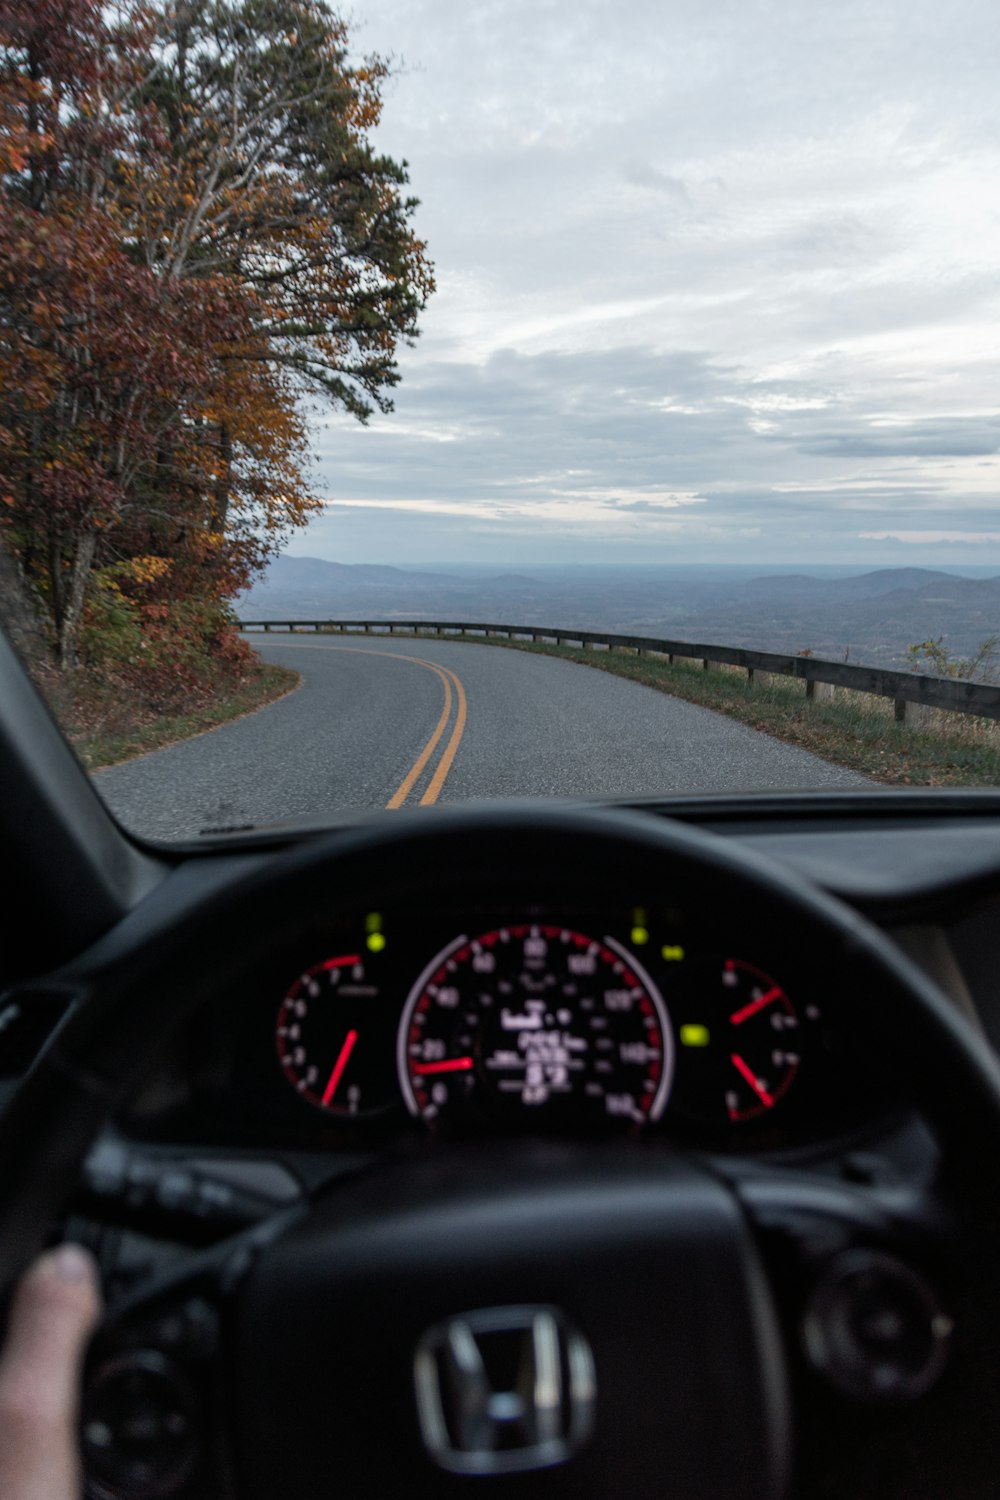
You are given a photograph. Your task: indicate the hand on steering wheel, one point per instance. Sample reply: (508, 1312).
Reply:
(55, 1309)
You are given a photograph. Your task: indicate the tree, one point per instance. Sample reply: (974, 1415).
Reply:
(195, 234)
(935, 656)
(276, 182)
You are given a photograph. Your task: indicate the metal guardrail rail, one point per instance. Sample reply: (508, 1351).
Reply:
(910, 691)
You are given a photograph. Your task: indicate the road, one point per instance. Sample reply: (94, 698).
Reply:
(399, 722)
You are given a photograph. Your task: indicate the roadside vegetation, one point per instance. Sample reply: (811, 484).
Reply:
(852, 729)
(199, 247)
(105, 726)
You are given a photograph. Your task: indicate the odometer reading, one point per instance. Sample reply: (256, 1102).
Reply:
(535, 1021)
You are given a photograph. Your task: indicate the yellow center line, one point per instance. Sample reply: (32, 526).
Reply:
(401, 793)
(433, 791)
(447, 677)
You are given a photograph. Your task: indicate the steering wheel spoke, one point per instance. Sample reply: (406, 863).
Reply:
(153, 1409)
(862, 1277)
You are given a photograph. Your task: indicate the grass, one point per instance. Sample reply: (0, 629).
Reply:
(106, 726)
(857, 730)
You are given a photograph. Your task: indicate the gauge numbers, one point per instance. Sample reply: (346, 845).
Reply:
(535, 1022)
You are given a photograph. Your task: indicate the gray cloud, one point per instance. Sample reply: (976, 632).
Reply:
(962, 436)
(644, 174)
(715, 276)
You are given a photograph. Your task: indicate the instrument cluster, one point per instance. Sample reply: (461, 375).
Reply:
(540, 1020)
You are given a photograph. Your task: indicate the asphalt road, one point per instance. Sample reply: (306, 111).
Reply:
(396, 721)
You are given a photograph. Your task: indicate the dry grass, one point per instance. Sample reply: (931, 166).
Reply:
(106, 725)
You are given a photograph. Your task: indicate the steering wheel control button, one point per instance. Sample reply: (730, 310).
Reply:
(504, 1389)
(873, 1327)
(139, 1433)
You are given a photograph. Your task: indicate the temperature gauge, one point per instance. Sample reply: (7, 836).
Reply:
(334, 1045)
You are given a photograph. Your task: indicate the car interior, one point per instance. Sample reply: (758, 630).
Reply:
(588, 1149)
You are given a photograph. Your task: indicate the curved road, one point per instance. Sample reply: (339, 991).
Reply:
(396, 721)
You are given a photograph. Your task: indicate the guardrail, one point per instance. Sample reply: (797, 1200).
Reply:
(910, 691)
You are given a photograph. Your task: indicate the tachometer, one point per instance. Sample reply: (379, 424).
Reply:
(334, 1038)
(532, 1022)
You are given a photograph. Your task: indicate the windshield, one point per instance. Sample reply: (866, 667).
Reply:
(435, 402)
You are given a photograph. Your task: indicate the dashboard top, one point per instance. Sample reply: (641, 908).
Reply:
(883, 850)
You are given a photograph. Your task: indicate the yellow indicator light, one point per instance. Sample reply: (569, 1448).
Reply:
(375, 942)
(640, 936)
(373, 921)
(694, 1036)
(673, 954)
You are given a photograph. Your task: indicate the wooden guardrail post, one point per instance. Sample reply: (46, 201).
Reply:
(913, 714)
(820, 691)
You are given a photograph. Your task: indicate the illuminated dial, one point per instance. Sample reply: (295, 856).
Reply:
(740, 1043)
(534, 1022)
(334, 1041)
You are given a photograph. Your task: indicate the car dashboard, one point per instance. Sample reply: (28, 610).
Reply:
(659, 1018)
(652, 1021)
(338, 1041)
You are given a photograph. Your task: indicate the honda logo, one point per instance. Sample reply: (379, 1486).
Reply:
(504, 1388)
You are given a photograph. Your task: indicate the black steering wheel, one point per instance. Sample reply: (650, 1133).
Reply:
(541, 1317)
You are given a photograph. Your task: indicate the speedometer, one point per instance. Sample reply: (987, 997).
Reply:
(531, 1022)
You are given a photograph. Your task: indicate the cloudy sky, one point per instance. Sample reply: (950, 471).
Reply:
(718, 281)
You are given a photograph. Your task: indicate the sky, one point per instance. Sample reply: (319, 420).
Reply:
(718, 282)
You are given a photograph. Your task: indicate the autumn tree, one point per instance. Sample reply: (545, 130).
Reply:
(195, 235)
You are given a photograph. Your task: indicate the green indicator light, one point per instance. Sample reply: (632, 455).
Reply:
(694, 1036)
(373, 921)
(640, 936)
(673, 955)
(375, 942)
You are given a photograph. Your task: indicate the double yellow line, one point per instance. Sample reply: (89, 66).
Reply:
(433, 789)
(449, 680)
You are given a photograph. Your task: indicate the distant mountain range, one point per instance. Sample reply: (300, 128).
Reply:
(866, 617)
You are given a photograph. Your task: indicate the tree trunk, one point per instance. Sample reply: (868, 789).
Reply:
(224, 481)
(20, 616)
(73, 599)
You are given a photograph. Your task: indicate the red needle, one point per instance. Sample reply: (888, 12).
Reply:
(339, 1066)
(450, 1065)
(754, 1006)
(750, 1077)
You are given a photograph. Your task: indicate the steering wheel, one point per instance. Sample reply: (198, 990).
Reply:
(546, 1317)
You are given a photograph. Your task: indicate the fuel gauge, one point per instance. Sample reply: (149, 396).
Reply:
(740, 1042)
